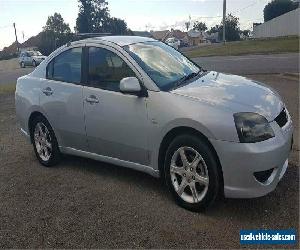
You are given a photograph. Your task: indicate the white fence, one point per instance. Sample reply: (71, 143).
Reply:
(284, 25)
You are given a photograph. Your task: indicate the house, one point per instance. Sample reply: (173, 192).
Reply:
(178, 34)
(165, 34)
(159, 35)
(196, 37)
(142, 33)
(285, 25)
(213, 37)
(30, 48)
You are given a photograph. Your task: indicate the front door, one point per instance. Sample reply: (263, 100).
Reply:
(116, 123)
(27, 58)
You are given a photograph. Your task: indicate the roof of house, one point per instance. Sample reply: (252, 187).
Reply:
(164, 34)
(196, 34)
(160, 35)
(178, 34)
(142, 33)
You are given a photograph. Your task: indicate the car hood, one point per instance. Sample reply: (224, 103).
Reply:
(237, 93)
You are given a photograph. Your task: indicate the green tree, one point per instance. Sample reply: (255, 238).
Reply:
(214, 29)
(246, 33)
(277, 8)
(116, 26)
(56, 24)
(200, 26)
(55, 33)
(232, 27)
(94, 17)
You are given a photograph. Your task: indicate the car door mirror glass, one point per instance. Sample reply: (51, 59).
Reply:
(130, 85)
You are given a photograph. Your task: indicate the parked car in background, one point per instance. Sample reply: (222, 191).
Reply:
(30, 58)
(138, 103)
(173, 42)
(183, 44)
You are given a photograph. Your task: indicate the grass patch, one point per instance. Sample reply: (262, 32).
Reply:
(9, 64)
(265, 46)
(7, 88)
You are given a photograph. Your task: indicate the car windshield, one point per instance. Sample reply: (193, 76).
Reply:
(34, 53)
(164, 65)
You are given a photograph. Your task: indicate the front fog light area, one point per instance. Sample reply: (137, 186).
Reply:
(263, 176)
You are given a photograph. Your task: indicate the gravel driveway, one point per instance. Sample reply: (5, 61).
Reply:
(87, 204)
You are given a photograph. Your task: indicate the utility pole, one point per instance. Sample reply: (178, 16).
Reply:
(224, 19)
(16, 37)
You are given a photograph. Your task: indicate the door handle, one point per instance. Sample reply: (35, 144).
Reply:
(47, 91)
(92, 99)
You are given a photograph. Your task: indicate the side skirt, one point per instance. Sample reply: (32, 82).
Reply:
(115, 161)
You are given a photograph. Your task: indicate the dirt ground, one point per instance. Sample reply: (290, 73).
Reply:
(87, 204)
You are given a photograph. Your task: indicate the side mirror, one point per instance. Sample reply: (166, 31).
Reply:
(131, 85)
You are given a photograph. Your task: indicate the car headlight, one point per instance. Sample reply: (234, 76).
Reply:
(252, 127)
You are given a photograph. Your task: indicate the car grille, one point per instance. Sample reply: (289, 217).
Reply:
(282, 118)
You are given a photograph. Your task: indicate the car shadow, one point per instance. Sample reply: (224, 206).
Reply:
(258, 210)
(118, 173)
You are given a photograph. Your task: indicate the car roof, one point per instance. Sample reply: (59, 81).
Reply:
(121, 40)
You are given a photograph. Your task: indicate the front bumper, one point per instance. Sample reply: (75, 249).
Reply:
(241, 160)
(38, 60)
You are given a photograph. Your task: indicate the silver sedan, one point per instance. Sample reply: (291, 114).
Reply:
(139, 103)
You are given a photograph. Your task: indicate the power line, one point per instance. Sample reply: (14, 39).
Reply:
(5, 26)
(246, 7)
(205, 17)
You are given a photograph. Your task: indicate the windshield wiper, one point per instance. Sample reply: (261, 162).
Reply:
(185, 78)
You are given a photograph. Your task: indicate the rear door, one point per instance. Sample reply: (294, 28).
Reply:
(61, 98)
(116, 123)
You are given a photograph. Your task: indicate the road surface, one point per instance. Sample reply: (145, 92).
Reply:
(251, 64)
(243, 65)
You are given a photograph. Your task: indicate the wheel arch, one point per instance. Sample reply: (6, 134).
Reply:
(31, 118)
(174, 132)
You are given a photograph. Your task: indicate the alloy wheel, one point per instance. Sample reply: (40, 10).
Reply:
(42, 140)
(189, 174)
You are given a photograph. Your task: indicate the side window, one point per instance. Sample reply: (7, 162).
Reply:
(106, 69)
(66, 67)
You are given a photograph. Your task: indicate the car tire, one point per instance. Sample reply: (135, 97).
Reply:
(34, 63)
(44, 142)
(22, 64)
(194, 185)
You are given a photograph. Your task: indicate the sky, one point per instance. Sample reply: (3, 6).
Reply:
(31, 15)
